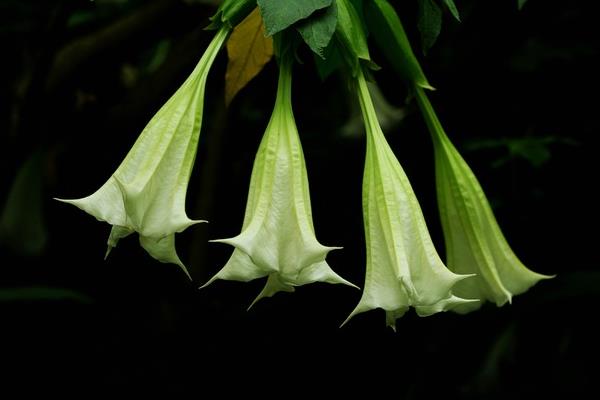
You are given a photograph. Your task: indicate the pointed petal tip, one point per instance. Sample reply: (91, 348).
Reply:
(543, 277)
(330, 248)
(68, 201)
(225, 241)
(211, 280)
(108, 250)
(426, 85)
(343, 281)
(187, 273)
(348, 318)
(357, 310)
(254, 302)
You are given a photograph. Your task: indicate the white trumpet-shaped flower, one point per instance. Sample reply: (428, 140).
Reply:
(403, 267)
(146, 194)
(474, 241)
(278, 237)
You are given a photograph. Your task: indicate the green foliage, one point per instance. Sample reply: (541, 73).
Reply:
(22, 225)
(387, 30)
(430, 23)
(319, 28)
(277, 17)
(535, 150)
(331, 61)
(231, 13)
(453, 10)
(430, 20)
(352, 36)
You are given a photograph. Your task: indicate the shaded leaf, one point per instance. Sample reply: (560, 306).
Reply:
(535, 150)
(331, 61)
(248, 50)
(231, 13)
(22, 224)
(521, 3)
(430, 23)
(352, 36)
(453, 10)
(387, 30)
(318, 29)
(278, 16)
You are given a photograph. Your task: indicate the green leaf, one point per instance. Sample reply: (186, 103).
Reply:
(430, 23)
(231, 13)
(351, 35)
(331, 61)
(453, 10)
(22, 225)
(278, 15)
(521, 3)
(387, 30)
(319, 28)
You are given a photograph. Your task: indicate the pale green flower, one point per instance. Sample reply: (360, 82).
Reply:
(474, 241)
(403, 267)
(278, 238)
(146, 194)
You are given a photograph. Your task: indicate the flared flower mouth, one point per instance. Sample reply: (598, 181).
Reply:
(403, 268)
(278, 237)
(147, 192)
(474, 242)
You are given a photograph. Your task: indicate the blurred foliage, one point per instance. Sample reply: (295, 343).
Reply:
(536, 150)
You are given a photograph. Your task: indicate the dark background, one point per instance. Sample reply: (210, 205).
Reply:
(79, 80)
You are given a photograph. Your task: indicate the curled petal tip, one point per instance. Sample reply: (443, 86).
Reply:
(108, 250)
(211, 280)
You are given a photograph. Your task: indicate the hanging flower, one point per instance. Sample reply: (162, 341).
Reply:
(474, 241)
(403, 267)
(278, 238)
(146, 194)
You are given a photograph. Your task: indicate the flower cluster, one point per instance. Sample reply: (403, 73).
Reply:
(147, 192)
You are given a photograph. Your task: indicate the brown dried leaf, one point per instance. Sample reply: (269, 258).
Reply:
(248, 50)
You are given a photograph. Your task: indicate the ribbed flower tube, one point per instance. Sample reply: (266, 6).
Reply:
(147, 192)
(474, 242)
(403, 267)
(278, 237)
